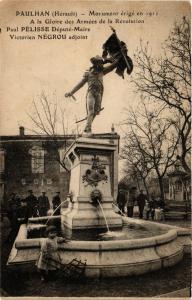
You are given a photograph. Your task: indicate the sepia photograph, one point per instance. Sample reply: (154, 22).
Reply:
(95, 149)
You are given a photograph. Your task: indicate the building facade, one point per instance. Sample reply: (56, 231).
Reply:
(35, 162)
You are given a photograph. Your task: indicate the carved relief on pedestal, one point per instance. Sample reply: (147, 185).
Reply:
(96, 173)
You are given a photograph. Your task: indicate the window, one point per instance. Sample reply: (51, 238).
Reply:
(61, 157)
(36, 181)
(2, 186)
(2, 160)
(178, 186)
(23, 181)
(49, 181)
(37, 160)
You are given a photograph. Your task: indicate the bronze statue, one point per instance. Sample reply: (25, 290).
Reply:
(94, 79)
(116, 50)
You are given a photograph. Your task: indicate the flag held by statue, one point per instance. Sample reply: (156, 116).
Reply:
(114, 48)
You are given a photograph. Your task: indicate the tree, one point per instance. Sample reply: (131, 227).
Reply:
(49, 120)
(167, 79)
(137, 165)
(150, 142)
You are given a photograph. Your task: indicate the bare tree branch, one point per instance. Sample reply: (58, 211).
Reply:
(45, 118)
(167, 79)
(149, 143)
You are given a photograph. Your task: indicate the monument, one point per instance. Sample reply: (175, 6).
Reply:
(90, 158)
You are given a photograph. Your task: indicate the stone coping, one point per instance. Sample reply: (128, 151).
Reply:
(45, 218)
(21, 243)
(84, 142)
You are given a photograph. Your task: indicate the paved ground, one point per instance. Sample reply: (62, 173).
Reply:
(147, 285)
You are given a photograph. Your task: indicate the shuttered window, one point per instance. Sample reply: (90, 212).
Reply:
(2, 160)
(37, 160)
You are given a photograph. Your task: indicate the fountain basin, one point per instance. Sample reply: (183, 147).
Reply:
(113, 257)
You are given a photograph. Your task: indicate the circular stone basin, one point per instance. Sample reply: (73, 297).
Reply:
(136, 249)
(123, 257)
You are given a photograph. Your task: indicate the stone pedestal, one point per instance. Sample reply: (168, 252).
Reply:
(90, 163)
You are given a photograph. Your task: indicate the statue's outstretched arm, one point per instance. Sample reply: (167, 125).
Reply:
(111, 67)
(77, 87)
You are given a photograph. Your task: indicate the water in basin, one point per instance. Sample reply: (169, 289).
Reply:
(127, 232)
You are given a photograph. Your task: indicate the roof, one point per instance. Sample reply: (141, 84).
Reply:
(12, 138)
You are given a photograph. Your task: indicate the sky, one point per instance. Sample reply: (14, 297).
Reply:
(55, 66)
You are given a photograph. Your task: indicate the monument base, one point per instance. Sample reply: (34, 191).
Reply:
(91, 185)
(84, 214)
